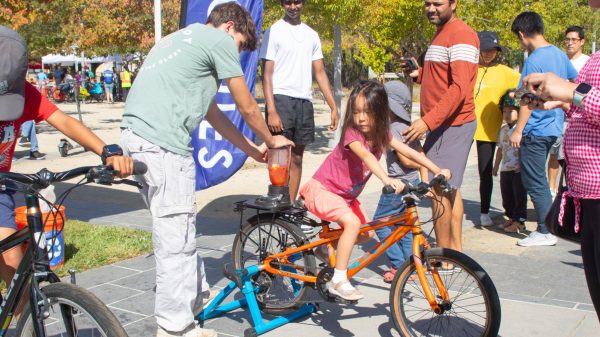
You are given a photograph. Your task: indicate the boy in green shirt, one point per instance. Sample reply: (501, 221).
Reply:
(174, 90)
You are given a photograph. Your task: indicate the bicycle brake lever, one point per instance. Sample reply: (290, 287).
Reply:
(129, 182)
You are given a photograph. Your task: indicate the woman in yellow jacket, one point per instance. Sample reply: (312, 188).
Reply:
(493, 81)
(125, 81)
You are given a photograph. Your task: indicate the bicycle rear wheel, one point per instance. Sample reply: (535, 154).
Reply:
(263, 236)
(75, 312)
(473, 307)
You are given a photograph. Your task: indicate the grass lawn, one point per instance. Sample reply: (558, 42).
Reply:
(90, 246)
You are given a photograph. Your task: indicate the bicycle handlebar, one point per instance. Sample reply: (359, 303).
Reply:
(101, 174)
(420, 188)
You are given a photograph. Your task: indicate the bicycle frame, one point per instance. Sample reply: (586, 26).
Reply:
(406, 222)
(33, 269)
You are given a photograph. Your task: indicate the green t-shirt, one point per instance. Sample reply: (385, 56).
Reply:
(176, 84)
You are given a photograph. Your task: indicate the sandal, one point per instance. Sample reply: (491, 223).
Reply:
(388, 275)
(515, 227)
(507, 223)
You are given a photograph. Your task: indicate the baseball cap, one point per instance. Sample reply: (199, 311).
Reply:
(509, 100)
(488, 40)
(13, 69)
(399, 99)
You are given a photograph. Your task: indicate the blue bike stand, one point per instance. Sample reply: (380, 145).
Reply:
(242, 280)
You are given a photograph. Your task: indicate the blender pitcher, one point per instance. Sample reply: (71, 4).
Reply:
(279, 163)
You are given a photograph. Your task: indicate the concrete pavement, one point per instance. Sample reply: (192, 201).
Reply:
(542, 289)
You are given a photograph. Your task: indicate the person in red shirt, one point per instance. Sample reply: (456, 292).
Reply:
(448, 79)
(20, 102)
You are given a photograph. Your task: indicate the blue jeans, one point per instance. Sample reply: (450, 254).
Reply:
(533, 155)
(391, 204)
(28, 130)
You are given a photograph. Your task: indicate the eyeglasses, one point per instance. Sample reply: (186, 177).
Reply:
(567, 40)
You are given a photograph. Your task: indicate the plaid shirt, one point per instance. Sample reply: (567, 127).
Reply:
(582, 137)
(582, 143)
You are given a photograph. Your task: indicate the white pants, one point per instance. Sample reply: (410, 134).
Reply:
(169, 193)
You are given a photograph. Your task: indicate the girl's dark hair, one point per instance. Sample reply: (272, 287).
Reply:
(242, 20)
(378, 109)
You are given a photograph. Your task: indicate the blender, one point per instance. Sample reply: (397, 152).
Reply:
(279, 165)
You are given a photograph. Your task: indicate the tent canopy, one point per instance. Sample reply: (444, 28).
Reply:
(69, 60)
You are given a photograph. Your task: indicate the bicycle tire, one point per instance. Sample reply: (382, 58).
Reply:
(405, 305)
(246, 252)
(72, 297)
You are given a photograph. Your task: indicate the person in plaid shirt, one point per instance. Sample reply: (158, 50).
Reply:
(581, 100)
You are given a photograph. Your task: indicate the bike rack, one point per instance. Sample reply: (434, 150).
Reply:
(242, 280)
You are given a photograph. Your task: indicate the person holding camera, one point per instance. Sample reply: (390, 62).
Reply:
(448, 110)
(581, 100)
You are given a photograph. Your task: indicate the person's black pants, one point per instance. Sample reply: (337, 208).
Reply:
(590, 247)
(485, 163)
(514, 196)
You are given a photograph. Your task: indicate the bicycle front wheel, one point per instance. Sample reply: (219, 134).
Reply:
(263, 236)
(472, 307)
(75, 312)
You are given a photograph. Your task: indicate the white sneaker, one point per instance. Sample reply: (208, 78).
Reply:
(193, 332)
(485, 220)
(538, 239)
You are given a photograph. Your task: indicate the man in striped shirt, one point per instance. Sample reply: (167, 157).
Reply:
(447, 110)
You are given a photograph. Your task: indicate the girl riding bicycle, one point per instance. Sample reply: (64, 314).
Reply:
(332, 192)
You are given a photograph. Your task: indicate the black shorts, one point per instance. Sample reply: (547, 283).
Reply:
(298, 118)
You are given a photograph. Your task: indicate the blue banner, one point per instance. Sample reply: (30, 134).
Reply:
(216, 158)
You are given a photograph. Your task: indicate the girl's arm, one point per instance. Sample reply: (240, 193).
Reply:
(373, 164)
(418, 157)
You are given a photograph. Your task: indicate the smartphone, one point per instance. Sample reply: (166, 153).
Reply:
(523, 93)
(410, 63)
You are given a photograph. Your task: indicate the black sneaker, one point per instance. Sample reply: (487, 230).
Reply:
(24, 141)
(36, 155)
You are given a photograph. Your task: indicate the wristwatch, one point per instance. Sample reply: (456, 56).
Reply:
(580, 92)
(109, 151)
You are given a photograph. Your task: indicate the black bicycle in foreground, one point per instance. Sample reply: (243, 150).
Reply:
(54, 308)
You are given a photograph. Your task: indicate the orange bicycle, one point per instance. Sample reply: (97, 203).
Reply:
(437, 292)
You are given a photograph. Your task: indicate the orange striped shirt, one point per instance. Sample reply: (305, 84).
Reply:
(448, 76)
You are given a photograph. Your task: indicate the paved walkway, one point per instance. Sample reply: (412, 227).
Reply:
(542, 290)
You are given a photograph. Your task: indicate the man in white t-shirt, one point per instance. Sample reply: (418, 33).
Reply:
(574, 41)
(291, 52)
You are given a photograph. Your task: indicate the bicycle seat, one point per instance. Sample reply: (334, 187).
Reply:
(299, 204)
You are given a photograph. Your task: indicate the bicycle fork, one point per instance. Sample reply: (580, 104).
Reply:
(420, 245)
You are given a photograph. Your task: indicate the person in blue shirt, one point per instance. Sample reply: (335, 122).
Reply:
(42, 80)
(109, 84)
(537, 130)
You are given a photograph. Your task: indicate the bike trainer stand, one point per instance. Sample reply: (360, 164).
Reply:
(242, 281)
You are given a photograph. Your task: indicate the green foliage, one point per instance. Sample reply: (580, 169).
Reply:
(373, 28)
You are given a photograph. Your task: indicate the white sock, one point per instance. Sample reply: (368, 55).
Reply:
(339, 275)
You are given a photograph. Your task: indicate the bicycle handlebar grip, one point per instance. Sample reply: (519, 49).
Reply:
(139, 168)
(388, 189)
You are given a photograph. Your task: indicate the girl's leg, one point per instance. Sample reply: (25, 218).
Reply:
(351, 224)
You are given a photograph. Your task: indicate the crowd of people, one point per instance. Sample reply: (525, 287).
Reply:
(467, 95)
(108, 84)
